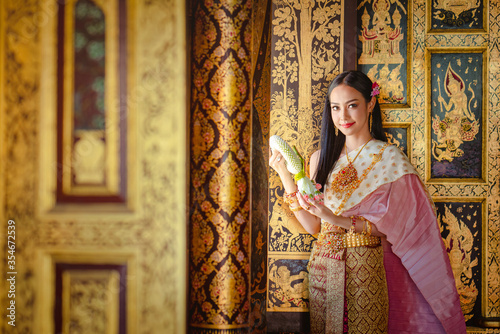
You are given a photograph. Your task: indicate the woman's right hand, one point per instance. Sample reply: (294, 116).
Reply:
(309, 221)
(277, 162)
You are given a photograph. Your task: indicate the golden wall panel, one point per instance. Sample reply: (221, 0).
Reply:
(300, 79)
(466, 17)
(152, 227)
(286, 120)
(461, 221)
(91, 157)
(306, 54)
(20, 147)
(90, 301)
(96, 155)
(64, 276)
(461, 141)
(461, 189)
(386, 60)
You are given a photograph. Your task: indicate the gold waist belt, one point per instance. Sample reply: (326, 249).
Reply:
(351, 239)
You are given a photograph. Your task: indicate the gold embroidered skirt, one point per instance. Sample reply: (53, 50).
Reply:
(348, 296)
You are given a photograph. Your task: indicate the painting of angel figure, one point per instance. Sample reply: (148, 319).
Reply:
(460, 224)
(456, 115)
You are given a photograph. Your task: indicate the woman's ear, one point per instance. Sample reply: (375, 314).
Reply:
(371, 104)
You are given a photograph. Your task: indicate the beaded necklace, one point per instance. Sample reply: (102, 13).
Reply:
(347, 178)
(376, 158)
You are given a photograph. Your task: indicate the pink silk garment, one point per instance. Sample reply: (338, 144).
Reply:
(422, 294)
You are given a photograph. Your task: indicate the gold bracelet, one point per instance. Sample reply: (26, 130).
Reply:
(367, 228)
(292, 194)
(290, 198)
(353, 224)
(295, 209)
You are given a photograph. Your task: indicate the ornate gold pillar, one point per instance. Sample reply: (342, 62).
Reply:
(219, 260)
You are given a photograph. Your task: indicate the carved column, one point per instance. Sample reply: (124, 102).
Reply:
(220, 167)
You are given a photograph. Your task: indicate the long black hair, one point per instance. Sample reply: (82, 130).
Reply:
(331, 145)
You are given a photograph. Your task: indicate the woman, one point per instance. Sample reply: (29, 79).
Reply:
(379, 263)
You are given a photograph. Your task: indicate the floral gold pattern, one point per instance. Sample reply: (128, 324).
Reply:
(220, 166)
(306, 56)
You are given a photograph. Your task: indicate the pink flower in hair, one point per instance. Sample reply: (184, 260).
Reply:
(375, 89)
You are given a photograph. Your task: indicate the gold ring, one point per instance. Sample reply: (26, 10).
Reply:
(307, 207)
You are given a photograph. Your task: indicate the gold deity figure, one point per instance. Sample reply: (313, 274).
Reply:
(381, 33)
(459, 123)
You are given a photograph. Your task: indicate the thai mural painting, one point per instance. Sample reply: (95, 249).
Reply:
(461, 228)
(383, 45)
(399, 134)
(456, 115)
(446, 123)
(457, 14)
(305, 56)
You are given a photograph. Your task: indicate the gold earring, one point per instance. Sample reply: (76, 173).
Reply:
(336, 131)
(371, 122)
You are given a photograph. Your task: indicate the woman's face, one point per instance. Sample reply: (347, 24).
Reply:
(350, 111)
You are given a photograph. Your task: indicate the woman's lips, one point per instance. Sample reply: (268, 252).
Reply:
(346, 125)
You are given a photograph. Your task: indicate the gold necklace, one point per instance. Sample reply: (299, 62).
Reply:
(347, 178)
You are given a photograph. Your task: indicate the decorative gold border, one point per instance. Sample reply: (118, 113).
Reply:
(45, 278)
(112, 128)
(286, 256)
(484, 242)
(112, 278)
(407, 126)
(428, 121)
(429, 30)
(47, 177)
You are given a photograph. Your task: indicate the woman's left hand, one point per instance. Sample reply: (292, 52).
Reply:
(315, 208)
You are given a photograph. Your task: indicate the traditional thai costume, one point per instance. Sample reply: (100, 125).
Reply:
(401, 283)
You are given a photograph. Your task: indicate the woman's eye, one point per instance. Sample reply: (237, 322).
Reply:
(335, 108)
(353, 105)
